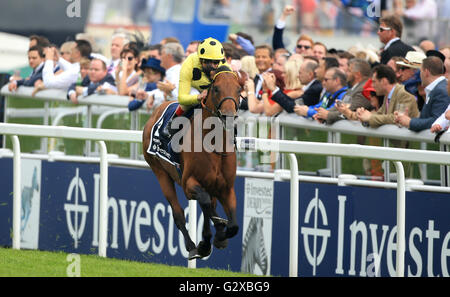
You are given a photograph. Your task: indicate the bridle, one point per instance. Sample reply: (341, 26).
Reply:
(217, 112)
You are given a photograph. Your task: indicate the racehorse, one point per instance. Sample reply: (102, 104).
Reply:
(207, 176)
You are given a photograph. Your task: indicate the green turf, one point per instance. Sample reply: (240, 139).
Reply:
(32, 263)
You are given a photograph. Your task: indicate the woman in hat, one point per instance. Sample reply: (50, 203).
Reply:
(153, 73)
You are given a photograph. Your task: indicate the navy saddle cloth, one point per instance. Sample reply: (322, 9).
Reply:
(160, 146)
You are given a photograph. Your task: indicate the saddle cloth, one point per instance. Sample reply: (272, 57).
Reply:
(160, 146)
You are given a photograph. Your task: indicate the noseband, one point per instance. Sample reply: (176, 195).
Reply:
(216, 112)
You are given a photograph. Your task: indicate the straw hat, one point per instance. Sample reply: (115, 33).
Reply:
(413, 59)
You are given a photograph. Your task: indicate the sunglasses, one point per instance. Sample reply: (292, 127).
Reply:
(382, 29)
(129, 58)
(300, 46)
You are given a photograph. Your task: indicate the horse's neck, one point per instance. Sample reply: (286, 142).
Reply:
(221, 133)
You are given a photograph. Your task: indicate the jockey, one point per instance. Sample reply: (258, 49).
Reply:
(196, 73)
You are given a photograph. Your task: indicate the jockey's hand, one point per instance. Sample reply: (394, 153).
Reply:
(202, 95)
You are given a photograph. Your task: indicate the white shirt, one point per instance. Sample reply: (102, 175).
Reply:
(431, 87)
(113, 65)
(173, 76)
(390, 42)
(62, 80)
(442, 121)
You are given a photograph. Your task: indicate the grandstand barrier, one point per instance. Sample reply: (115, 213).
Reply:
(252, 144)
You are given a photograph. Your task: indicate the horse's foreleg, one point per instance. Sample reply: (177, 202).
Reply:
(195, 191)
(220, 239)
(229, 205)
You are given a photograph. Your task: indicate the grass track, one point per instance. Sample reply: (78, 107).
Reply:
(32, 263)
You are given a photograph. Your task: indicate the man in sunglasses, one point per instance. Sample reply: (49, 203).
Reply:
(196, 76)
(389, 33)
(304, 46)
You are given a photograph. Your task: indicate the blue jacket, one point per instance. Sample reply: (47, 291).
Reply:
(437, 104)
(327, 101)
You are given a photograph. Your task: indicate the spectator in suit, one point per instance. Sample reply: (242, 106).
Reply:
(277, 38)
(311, 88)
(335, 84)
(36, 62)
(437, 99)
(389, 33)
(384, 83)
(97, 81)
(358, 75)
(443, 121)
(264, 62)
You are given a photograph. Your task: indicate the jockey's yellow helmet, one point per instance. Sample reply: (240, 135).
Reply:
(211, 49)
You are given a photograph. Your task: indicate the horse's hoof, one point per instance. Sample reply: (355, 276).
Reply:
(232, 231)
(204, 249)
(194, 254)
(220, 244)
(219, 221)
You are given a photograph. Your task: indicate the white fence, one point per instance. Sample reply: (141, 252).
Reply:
(291, 147)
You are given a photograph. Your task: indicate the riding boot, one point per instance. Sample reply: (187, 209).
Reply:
(168, 132)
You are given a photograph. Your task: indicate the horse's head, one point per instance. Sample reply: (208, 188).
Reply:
(223, 95)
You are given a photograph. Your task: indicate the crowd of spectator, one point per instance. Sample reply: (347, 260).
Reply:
(402, 84)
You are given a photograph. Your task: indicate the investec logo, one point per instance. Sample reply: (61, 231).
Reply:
(131, 215)
(386, 246)
(76, 190)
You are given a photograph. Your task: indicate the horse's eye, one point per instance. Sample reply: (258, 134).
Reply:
(216, 90)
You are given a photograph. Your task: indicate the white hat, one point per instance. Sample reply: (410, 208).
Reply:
(413, 59)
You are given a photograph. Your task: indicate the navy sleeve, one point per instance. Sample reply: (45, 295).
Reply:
(284, 100)
(277, 39)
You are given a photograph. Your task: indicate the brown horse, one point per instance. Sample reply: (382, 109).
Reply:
(207, 175)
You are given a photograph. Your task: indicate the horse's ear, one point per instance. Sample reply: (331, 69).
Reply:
(242, 77)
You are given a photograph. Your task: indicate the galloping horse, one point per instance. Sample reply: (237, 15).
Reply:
(207, 176)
